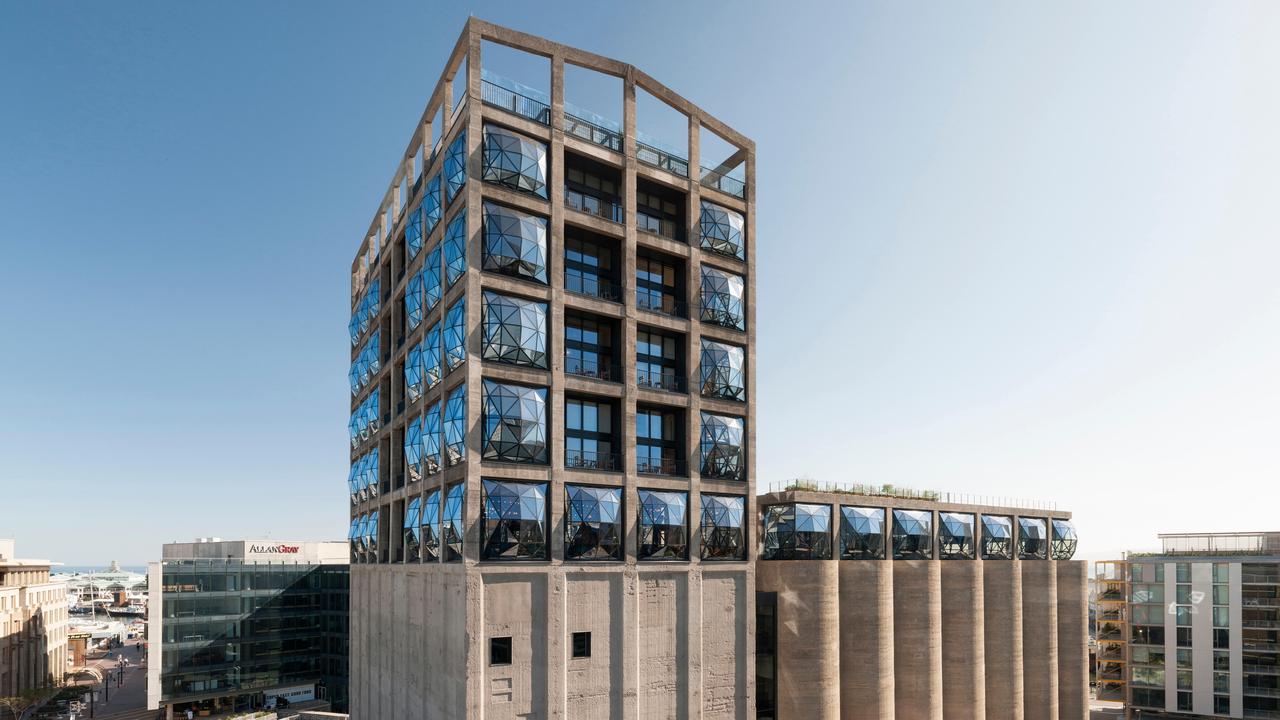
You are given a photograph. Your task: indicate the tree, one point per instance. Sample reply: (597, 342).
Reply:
(19, 704)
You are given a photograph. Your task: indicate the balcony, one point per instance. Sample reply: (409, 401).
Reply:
(593, 287)
(725, 184)
(584, 367)
(668, 381)
(662, 159)
(592, 128)
(662, 304)
(592, 205)
(657, 226)
(670, 467)
(1262, 691)
(514, 98)
(1262, 669)
(583, 460)
(1265, 602)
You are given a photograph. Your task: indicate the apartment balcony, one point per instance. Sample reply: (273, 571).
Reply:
(662, 304)
(725, 184)
(592, 205)
(1262, 691)
(655, 225)
(592, 128)
(1262, 669)
(1264, 602)
(514, 98)
(583, 460)
(1261, 714)
(584, 367)
(670, 467)
(662, 159)
(593, 287)
(666, 381)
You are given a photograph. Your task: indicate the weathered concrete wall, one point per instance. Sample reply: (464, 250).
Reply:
(917, 646)
(964, 689)
(866, 640)
(1073, 640)
(808, 656)
(1002, 614)
(1040, 639)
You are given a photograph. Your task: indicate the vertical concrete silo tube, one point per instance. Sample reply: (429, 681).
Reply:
(917, 650)
(808, 647)
(1073, 640)
(866, 640)
(1040, 639)
(963, 680)
(1002, 611)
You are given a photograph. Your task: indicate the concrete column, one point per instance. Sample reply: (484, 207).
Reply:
(866, 640)
(917, 648)
(1040, 639)
(1002, 615)
(964, 692)
(1073, 640)
(808, 635)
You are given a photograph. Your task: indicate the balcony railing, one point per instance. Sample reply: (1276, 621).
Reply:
(592, 132)
(661, 304)
(583, 460)
(662, 159)
(1262, 669)
(657, 226)
(724, 183)
(668, 381)
(1260, 602)
(593, 205)
(1261, 714)
(664, 466)
(1261, 691)
(593, 286)
(1260, 578)
(583, 367)
(514, 102)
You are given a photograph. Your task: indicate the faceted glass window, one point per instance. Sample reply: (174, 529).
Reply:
(723, 535)
(413, 530)
(455, 248)
(413, 232)
(723, 451)
(593, 523)
(353, 481)
(514, 330)
(515, 161)
(956, 539)
(455, 166)
(413, 448)
(413, 301)
(353, 539)
(912, 535)
(513, 520)
(451, 530)
(997, 537)
(722, 230)
(722, 371)
(430, 273)
(722, 298)
(371, 536)
(431, 526)
(1033, 540)
(431, 440)
(431, 206)
(455, 334)
(1064, 540)
(431, 369)
(413, 373)
(861, 533)
(515, 423)
(455, 426)
(797, 531)
(515, 242)
(664, 525)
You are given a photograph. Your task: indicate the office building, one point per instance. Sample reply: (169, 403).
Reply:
(33, 624)
(883, 606)
(552, 402)
(1194, 630)
(233, 625)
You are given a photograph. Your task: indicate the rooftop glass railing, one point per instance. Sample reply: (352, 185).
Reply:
(724, 183)
(515, 98)
(667, 159)
(591, 127)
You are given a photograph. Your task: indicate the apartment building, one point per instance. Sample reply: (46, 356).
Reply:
(33, 624)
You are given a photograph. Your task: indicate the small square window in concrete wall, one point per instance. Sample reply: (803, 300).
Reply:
(500, 651)
(582, 645)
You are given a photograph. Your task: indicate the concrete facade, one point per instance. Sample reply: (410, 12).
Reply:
(669, 638)
(33, 624)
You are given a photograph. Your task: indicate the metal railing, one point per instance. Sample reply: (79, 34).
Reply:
(593, 205)
(668, 381)
(592, 132)
(593, 286)
(655, 225)
(725, 184)
(1260, 602)
(1263, 669)
(1260, 578)
(662, 304)
(514, 102)
(583, 460)
(664, 466)
(1261, 691)
(662, 159)
(583, 367)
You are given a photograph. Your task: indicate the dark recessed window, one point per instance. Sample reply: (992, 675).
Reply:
(500, 651)
(582, 644)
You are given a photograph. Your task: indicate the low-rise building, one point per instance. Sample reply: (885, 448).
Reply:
(33, 624)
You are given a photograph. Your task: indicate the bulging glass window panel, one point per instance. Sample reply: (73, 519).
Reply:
(455, 248)
(723, 448)
(413, 448)
(353, 481)
(431, 526)
(455, 334)
(515, 161)
(353, 376)
(413, 530)
(722, 298)
(723, 374)
(431, 206)
(997, 537)
(431, 361)
(723, 230)
(353, 427)
(431, 287)
(912, 535)
(722, 531)
(514, 330)
(1033, 540)
(413, 373)
(956, 540)
(514, 520)
(515, 423)
(451, 529)
(455, 426)
(455, 166)
(353, 539)
(797, 531)
(371, 536)
(1064, 540)
(515, 242)
(413, 232)
(371, 473)
(431, 440)
(664, 525)
(593, 523)
(413, 301)
(861, 533)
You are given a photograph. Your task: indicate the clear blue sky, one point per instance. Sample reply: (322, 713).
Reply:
(1011, 248)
